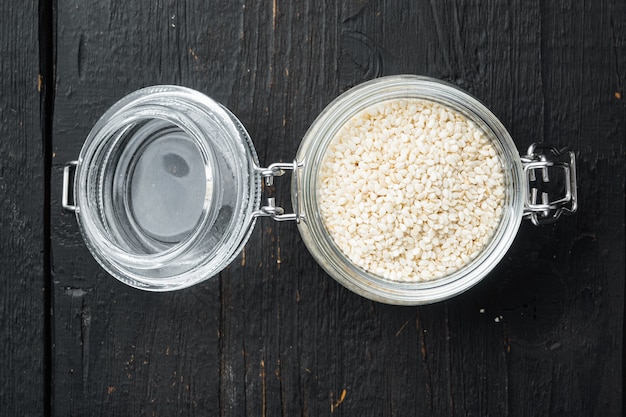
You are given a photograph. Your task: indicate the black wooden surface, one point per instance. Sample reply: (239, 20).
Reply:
(542, 335)
(22, 352)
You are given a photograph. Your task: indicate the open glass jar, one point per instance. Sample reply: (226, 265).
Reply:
(167, 189)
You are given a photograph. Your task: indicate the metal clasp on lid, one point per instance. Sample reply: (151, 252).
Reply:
(551, 192)
(270, 209)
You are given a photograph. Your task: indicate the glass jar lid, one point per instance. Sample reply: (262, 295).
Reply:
(165, 188)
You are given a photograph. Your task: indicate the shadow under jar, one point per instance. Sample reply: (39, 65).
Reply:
(167, 188)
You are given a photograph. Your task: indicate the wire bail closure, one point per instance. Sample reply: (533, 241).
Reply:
(549, 197)
(270, 209)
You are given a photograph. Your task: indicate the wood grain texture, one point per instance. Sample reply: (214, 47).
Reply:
(273, 335)
(22, 219)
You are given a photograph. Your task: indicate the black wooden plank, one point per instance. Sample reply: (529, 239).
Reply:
(273, 335)
(22, 219)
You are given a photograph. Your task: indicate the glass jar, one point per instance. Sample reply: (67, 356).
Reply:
(167, 188)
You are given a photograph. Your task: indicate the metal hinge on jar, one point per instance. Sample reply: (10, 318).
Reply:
(551, 178)
(270, 209)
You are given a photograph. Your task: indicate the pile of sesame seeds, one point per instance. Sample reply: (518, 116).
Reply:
(411, 190)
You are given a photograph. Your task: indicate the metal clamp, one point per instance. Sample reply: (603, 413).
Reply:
(270, 209)
(549, 197)
(65, 198)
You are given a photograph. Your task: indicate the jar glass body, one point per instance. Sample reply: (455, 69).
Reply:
(317, 238)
